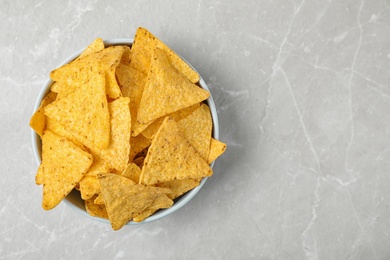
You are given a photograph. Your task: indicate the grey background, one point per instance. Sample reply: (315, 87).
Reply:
(303, 97)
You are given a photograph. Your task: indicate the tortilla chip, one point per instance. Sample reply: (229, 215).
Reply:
(166, 90)
(96, 46)
(172, 157)
(124, 199)
(95, 210)
(38, 119)
(217, 148)
(162, 202)
(142, 50)
(132, 84)
(99, 200)
(54, 125)
(177, 115)
(84, 113)
(89, 186)
(117, 153)
(179, 187)
(197, 128)
(74, 74)
(132, 172)
(39, 175)
(63, 166)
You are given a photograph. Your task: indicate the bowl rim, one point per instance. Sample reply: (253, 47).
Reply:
(70, 200)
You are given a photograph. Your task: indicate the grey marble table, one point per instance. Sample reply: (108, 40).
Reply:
(303, 96)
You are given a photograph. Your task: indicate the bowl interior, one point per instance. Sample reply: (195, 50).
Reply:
(74, 199)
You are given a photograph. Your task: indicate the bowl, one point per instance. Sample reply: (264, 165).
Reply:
(74, 199)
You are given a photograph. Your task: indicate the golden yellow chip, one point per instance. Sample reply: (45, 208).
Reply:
(74, 74)
(124, 199)
(96, 46)
(137, 144)
(84, 113)
(63, 166)
(38, 119)
(117, 153)
(179, 187)
(177, 115)
(162, 202)
(89, 186)
(54, 125)
(197, 129)
(216, 149)
(172, 157)
(95, 210)
(166, 90)
(99, 200)
(132, 84)
(132, 172)
(142, 52)
(39, 175)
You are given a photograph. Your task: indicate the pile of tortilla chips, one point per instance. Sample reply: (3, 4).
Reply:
(127, 127)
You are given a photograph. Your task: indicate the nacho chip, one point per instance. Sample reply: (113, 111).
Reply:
(84, 113)
(172, 157)
(124, 199)
(179, 187)
(132, 84)
(137, 144)
(96, 46)
(216, 149)
(142, 51)
(132, 172)
(177, 115)
(89, 186)
(54, 125)
(197, 129)
(95, 210)
(63, 166)
(76, 73)
(99, 200)
(117, 153)
(38, 119)
(162, 202)
(166, 90)
(39, 175)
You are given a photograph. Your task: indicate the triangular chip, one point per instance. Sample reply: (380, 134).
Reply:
(38, 119)
(89, 186)
(166, 90)
(117, 153)
(142, 51)
(197, 129)
(74, 74)
(99, 200)
(132, 84)
(84, 113)
(132, 172)
(179, 187)
(216, 149)
(162, 202)
(95, 210)
(124, 199)
(177, 115)
(63, 166)
(54, 125)
(95, 46)
(172, 157)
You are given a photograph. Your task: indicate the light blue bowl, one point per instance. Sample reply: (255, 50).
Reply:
(74, 199)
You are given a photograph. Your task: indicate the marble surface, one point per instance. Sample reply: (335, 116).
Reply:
(303, 96)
